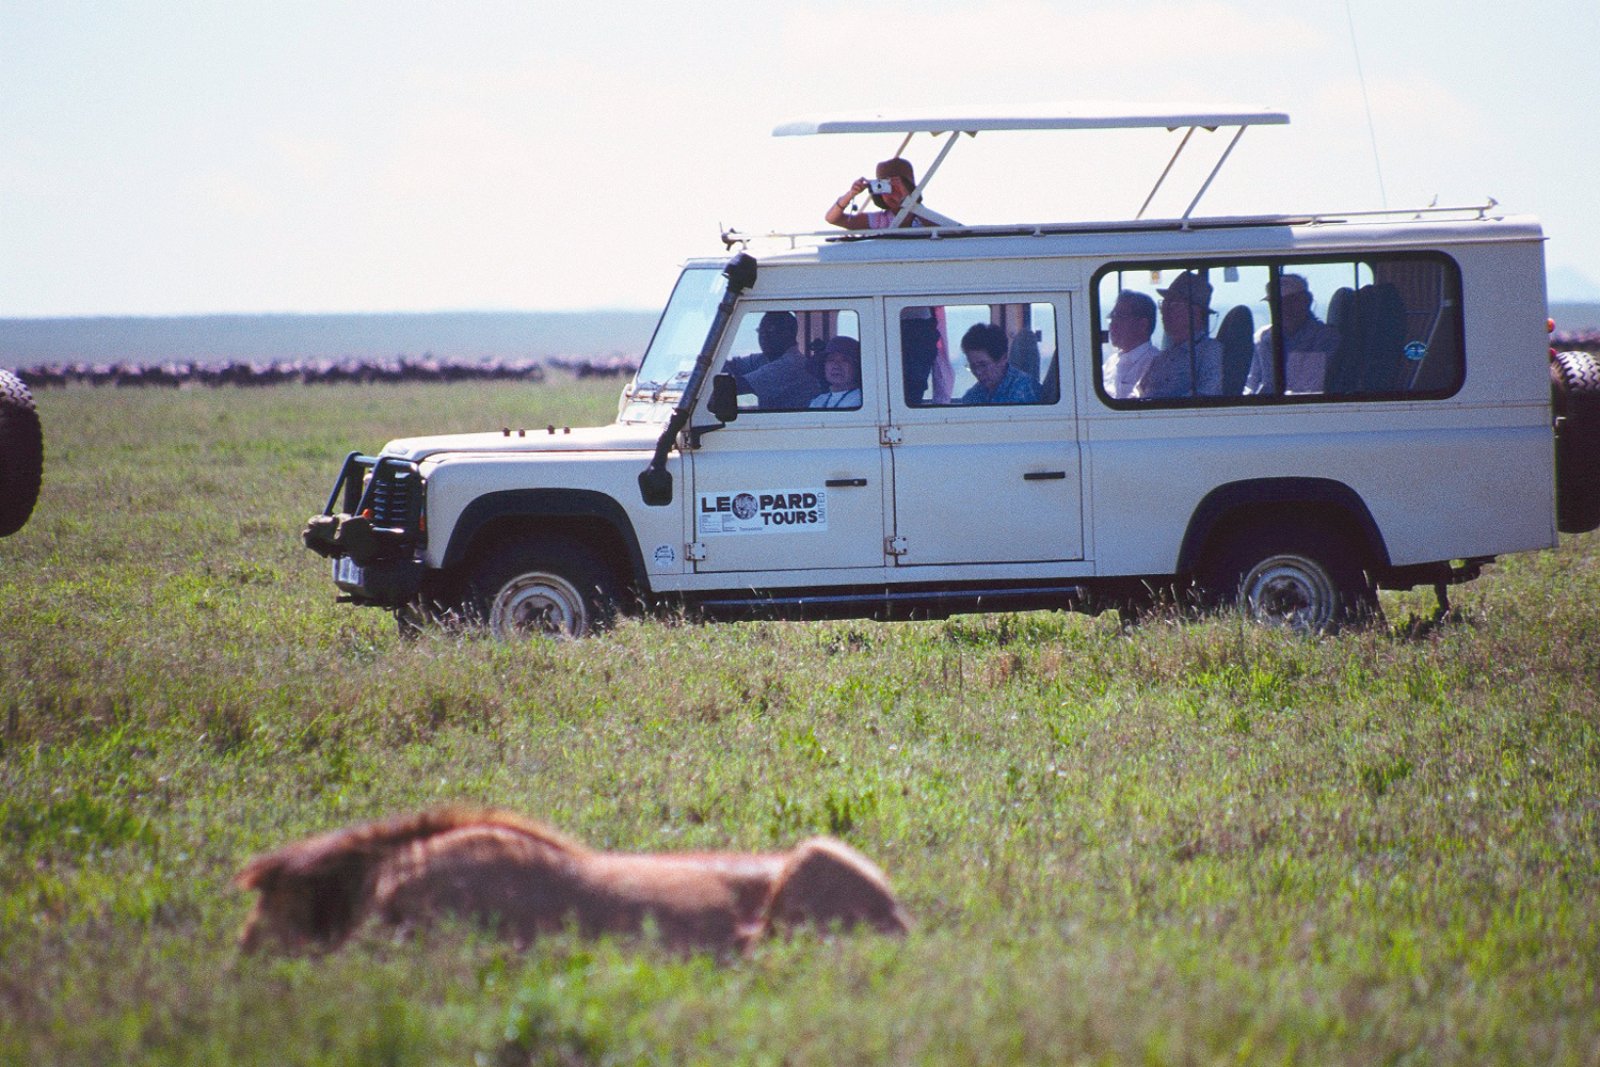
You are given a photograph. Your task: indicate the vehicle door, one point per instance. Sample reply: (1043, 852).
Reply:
(799, 480)
(980, 475)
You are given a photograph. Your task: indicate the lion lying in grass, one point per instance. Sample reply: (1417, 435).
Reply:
(524, 880)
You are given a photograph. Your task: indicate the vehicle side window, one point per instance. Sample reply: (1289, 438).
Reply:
(1364, 328)
(797, 360)
(979, 354)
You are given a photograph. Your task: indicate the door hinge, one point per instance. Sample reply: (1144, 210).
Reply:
(694, 550)
(895, 546)
(890, 435)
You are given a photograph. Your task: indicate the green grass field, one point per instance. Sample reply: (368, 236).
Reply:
(1196, 842)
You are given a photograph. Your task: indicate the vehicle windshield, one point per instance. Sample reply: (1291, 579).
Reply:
(681, 333)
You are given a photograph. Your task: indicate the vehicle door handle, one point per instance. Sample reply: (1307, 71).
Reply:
(845, 483)
(1044, 476)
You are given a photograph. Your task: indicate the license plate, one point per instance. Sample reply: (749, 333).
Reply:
(347, 572)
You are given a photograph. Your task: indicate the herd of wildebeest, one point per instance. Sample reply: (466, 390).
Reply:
(320, 371)
(1584, 340)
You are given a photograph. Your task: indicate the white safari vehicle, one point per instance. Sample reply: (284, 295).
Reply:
(1288, 411)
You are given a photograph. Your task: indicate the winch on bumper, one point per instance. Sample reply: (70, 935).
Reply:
(377, 537)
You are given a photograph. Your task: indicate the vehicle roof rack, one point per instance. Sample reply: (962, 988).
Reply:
(1456, 213)
(951, 123)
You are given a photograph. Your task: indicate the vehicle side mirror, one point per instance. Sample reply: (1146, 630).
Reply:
(724, 402)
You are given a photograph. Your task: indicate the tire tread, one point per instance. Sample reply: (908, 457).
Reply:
(21, 454)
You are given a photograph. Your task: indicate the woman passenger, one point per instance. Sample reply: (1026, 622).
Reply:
(841, 369)
(902, 179)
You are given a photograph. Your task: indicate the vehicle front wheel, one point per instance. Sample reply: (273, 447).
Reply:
(1307, 581)
(549, 585)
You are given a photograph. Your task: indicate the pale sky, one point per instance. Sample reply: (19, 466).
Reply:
(182, 157)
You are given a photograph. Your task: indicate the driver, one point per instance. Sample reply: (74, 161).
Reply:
(779, 375)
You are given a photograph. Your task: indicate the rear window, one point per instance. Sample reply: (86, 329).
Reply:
(1279, 331)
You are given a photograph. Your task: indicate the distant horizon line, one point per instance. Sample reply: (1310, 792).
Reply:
(93, 316)
(607, 310)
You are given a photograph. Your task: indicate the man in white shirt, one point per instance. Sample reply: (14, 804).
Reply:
(1132, 321)
(1308, 344)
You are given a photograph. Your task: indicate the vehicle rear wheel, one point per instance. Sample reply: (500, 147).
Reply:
(1575, 399)
(548, 585)
(21, 454)
(1305, 580)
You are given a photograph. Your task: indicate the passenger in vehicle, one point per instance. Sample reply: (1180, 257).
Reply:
(1309, 344)
(998, 381)
(779, 375)
(926, 361)
(1131, 323)
(902, 179)
(1190, 361)
(841, 366)
(776, 332)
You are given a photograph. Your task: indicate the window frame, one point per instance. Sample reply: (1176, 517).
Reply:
(1451, 304)
(754, 311)
(896, 305)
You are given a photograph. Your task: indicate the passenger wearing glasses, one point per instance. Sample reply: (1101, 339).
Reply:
(1190, 361)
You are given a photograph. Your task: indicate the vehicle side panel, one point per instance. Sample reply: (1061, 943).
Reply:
(1435, 490)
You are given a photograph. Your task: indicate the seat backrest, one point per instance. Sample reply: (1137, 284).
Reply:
(1344, 373)
(1050, 387)
(1381, 315)
(1236, 334)
(1023, 353)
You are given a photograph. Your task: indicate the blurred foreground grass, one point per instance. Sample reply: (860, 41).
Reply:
(1193, 842)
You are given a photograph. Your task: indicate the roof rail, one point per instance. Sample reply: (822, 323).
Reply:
(796, 239)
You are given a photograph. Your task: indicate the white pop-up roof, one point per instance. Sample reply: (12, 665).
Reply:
(952, 122)
(1081, 116)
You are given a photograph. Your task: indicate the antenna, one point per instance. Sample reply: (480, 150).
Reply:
(1366, 102)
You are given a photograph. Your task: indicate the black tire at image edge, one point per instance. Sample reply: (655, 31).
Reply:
(1575, 399)
(21, 454)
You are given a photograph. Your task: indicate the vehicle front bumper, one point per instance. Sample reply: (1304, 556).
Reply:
(384, 584)
(375, 541)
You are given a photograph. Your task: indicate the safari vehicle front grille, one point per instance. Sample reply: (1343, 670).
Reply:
(393, 497)
(384, 490)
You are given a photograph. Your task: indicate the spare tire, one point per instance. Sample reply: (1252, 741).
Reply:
(21, 454)
(1575, 398)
